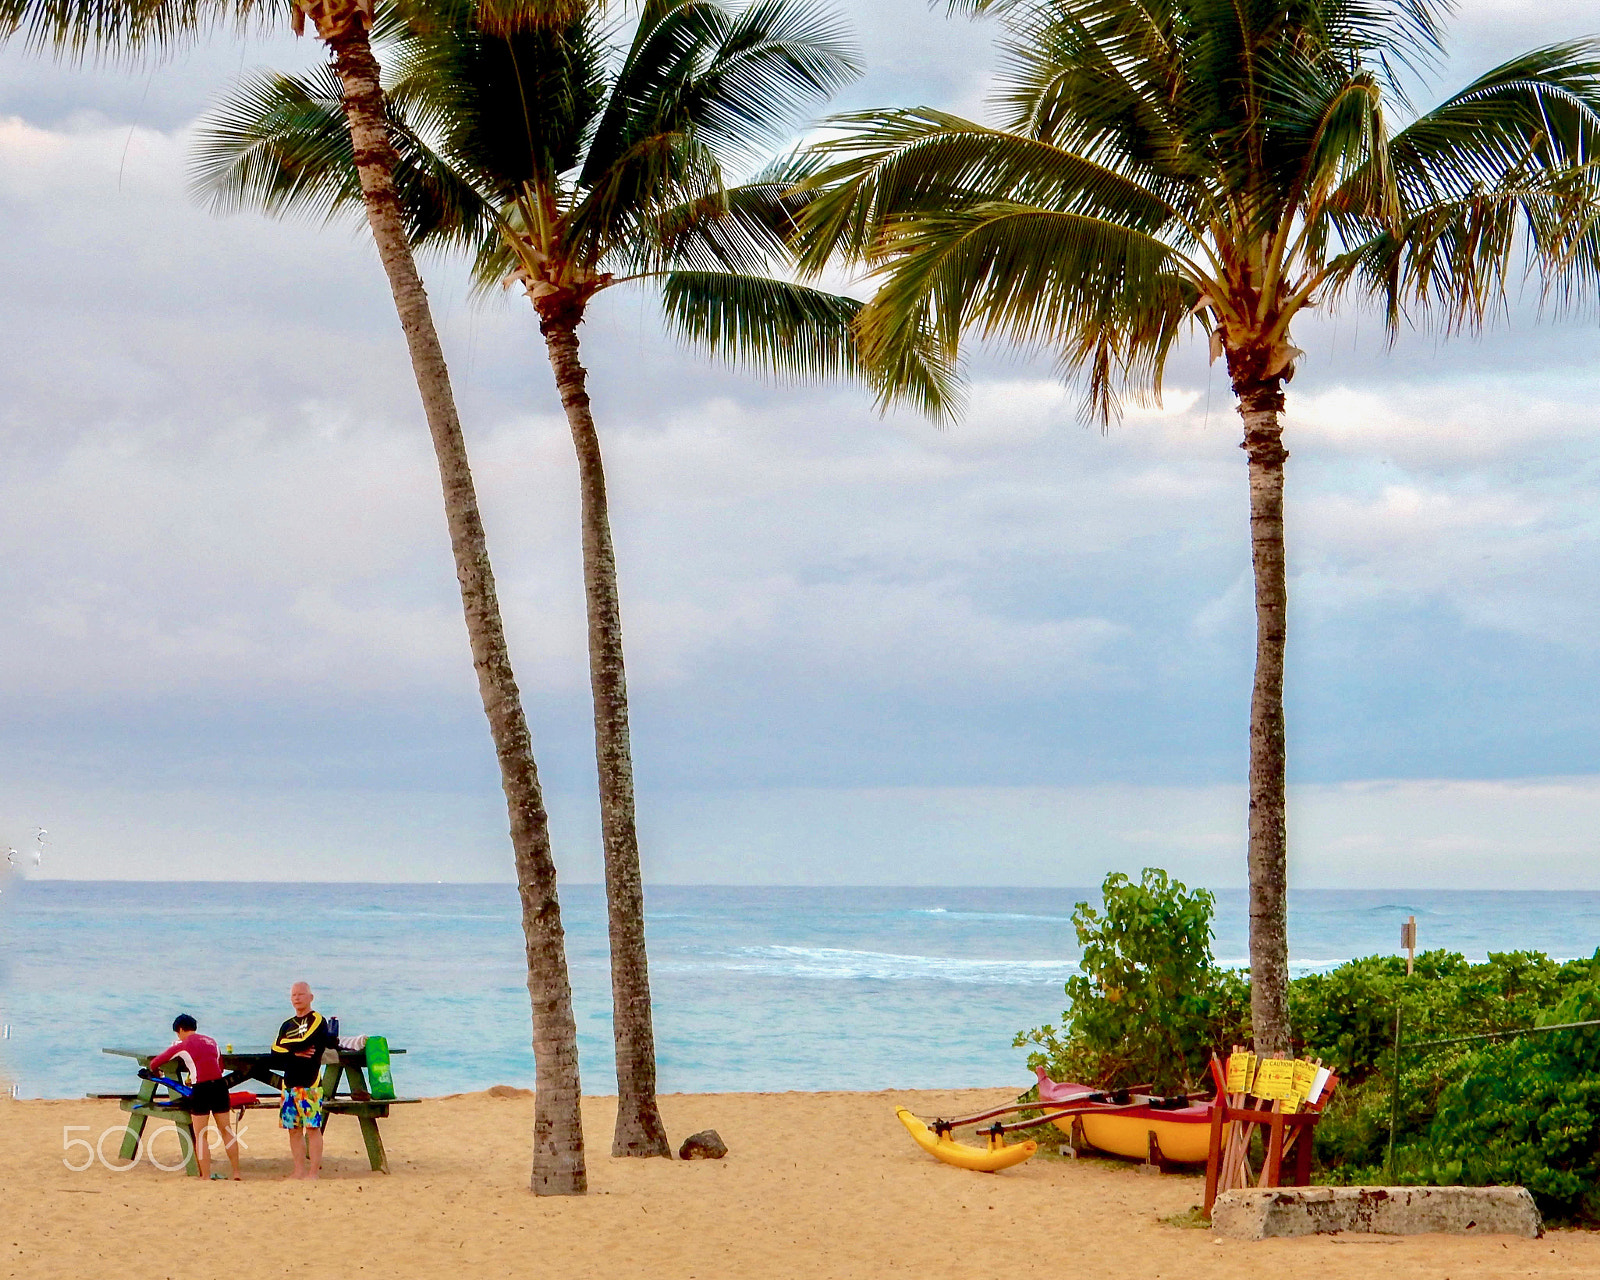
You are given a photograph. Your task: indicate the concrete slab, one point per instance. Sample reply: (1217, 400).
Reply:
(1398, 1211)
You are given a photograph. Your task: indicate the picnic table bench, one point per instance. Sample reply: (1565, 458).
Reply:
(337, 1065)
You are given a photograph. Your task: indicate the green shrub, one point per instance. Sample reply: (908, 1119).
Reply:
(1346, 1016)
(1526, 1111)
(1150, 1003)
(1352, 1138)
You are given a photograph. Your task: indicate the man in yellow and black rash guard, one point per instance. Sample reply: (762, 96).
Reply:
(297, 1053)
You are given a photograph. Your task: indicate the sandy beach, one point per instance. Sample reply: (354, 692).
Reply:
(815, 1185)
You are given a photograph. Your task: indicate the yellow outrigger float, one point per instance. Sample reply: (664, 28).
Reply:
(991, 1159)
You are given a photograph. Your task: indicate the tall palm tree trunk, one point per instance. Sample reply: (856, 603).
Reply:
(639, 1130)
(558, 1164)
(1260, 405)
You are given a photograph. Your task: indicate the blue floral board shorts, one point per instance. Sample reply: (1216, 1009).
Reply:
(302, 1108)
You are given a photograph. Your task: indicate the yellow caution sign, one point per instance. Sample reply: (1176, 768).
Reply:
(1274, 1079)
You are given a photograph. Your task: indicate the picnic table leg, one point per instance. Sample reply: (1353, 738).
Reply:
(329, 1084)
(185, 1126)
(375, 1153)
(135, 1130)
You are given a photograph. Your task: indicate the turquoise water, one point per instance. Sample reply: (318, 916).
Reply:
(754, 988)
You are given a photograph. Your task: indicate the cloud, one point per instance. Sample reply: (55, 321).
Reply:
(1464, 426)
(1529, 19)
(1430, 833)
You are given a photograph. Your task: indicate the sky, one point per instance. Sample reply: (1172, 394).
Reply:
(862, 649)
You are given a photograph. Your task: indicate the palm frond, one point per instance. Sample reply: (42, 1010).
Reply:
(1384, 35)
(671, 36)
(276, 143)
(1539, 111)
(281, 144)
(900, 168)
(1456, 262)
(798, 332)
(618, 215)
(736, 77)
(1497, 185)
(773, 60)
(1091, 77)
(899, 165)
(511, 110)
(122, 28)
(745, 229)
(510, 18)
(1055, 281)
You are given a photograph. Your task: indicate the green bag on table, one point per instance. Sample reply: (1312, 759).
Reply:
(379, 1078)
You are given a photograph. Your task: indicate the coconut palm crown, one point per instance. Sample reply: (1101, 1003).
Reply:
(570, 161)
(571, 158)
(1216, 167)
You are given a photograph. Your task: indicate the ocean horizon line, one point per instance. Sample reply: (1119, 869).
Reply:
(726, 884)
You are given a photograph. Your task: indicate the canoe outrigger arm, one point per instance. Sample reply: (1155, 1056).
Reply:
(1092, 1100)
(1055, 1112)
(1112, 1097)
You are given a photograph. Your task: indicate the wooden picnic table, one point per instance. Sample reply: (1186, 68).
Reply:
(348, 1064)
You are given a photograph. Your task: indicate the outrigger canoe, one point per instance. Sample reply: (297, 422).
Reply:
(1127, 1122)
(1122, 1124)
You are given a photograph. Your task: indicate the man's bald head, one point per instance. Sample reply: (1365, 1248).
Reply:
(300, 997)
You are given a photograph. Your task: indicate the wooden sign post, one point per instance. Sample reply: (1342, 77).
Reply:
(1408, 940)
(1285, 1099)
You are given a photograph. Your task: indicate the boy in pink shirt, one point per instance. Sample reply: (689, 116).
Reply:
(208, 1097)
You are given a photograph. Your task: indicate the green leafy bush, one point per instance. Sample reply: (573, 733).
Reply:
(1526, 1111)
(1346, 1016)
(1150, 1003)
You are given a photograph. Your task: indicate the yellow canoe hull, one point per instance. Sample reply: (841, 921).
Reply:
(981, 1159)
(1185, 1143)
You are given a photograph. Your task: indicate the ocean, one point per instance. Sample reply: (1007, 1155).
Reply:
(754, 988)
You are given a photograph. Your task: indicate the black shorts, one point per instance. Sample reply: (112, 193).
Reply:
(209, 1098)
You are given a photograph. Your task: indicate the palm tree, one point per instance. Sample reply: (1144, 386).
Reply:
(343, 26)
(570, 162)
(1216, 166)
